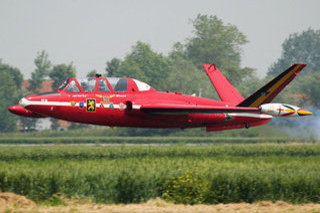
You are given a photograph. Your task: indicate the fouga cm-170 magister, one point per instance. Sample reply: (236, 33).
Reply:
(128, 102)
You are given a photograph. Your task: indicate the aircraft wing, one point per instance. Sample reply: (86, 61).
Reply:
(224, 88)
(174, 109)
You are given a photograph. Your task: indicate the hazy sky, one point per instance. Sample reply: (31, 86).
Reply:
(91, 32)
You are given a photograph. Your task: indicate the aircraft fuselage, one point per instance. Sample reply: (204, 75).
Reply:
(123, 110)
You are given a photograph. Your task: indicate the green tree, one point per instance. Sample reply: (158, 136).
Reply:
(112, 68)
(213, 41)
(62, 72)
(301, 47)
(43, 66)
(186, 78)
(92, 73)
(15, 73)
(146, 65)
(308, 91)
(10, 92)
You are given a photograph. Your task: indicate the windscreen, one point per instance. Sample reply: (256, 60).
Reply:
(64, 84)
(141, 85)
(88, 84)
(72, 87)
(118, 84)
(103, 86)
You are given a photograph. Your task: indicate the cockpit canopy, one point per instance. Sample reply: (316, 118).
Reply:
(102, 84)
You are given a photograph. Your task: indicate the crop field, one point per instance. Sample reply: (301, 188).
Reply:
(186, 174)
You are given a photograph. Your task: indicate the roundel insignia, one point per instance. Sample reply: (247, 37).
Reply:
(111, 106)
(122, 106)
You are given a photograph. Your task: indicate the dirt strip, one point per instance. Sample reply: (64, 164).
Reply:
(10, 202)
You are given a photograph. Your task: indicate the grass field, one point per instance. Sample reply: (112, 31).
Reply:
(189, 174)
(95, 135)
(138, 140)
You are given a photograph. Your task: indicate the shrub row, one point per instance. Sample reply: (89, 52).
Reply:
(180, 180)
(37, 153)
(183, 174)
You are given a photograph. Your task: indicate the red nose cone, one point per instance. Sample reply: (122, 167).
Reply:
(19, 110)
(16, 109)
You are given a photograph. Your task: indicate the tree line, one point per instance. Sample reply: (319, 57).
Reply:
(213, 41)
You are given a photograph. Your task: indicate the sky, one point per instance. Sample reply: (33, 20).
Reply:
(89, 33)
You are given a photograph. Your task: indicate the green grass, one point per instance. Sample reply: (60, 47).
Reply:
(180, 173)
(268, 131)
(137, 140)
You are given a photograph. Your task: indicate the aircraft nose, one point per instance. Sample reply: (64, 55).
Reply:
(303, 112)
(13, 109)
(18, 110)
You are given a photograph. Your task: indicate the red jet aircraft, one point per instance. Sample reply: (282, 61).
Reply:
(128, 102)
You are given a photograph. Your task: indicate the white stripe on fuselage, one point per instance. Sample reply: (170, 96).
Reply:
(25, 102)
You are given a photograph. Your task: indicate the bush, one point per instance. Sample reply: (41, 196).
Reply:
(188, 188)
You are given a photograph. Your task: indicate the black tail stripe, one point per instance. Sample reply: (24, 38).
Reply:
(264, 90)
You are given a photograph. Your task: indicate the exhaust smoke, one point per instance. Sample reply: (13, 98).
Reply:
(307, 128)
